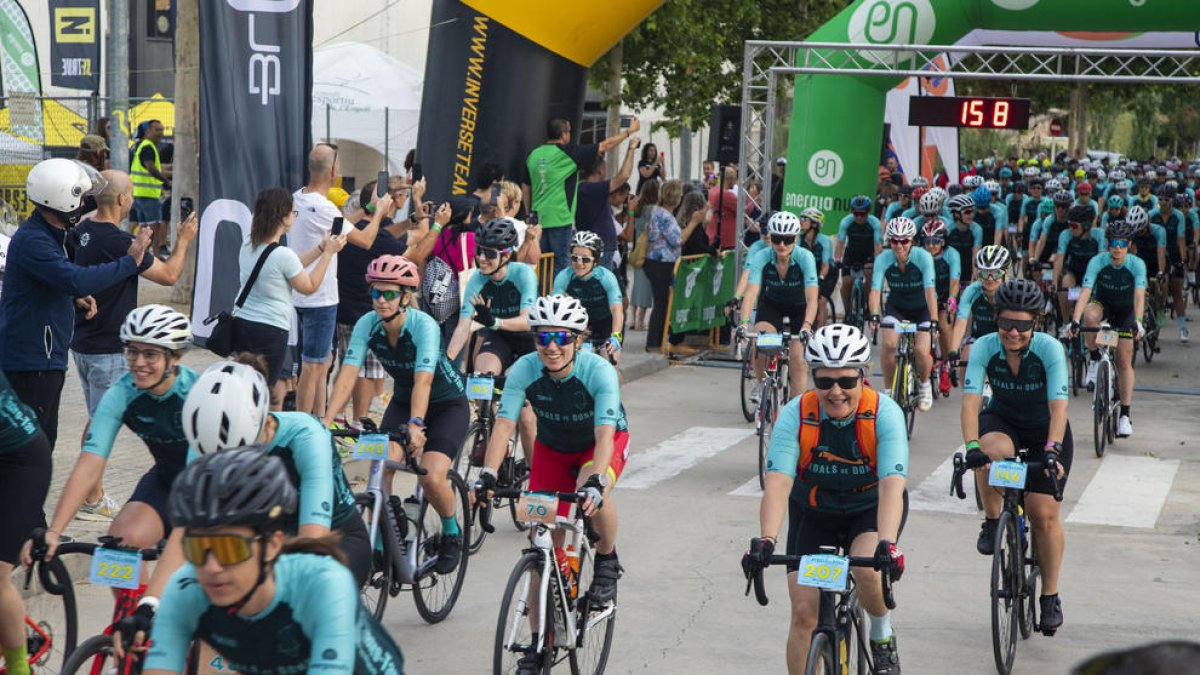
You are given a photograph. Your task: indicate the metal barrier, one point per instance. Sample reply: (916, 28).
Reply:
(714, 333)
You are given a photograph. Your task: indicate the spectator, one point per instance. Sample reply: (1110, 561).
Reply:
(317, 309)
(698, 243)
(651, 166)
(150, 177)
(508, 205)
(261, 325)
(777, 184)
(553, 171)
(722, 227)
(709, 171)
(641, 298)
(594, 213)
(666, 239)
(93, 151)
(42, 287)
(98, 350)
(441, 254)
(618, 204)
(487, 183)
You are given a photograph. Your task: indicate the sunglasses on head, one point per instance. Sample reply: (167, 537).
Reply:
(1118, 243)
(582, 259)
(388, 295)
(491, 253)
(228, 549)
(897, 241)
(992, 275)
(1020, 325)
(782, 239)
(561, 338)
(845, 383)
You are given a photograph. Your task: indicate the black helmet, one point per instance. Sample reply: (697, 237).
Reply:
(1121, 229)
(1018, 187)
(1022, 295)
(1167, 193)
(497, 233)
(238, 486)
(1080, 214)
(906, 190)
(1062, 198)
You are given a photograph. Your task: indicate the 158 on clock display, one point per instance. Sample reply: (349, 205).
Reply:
(969, 111)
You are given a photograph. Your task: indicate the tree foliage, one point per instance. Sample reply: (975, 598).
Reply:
(687, 55)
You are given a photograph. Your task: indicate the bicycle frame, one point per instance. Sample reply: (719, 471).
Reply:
(404, 564)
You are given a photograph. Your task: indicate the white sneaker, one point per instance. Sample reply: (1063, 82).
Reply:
(925, 397)
(101, 511)
(1124, 427)
(1089, 380)
(1183, 334)
(756, 392)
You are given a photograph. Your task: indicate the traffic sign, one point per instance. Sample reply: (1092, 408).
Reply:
(1056, 127)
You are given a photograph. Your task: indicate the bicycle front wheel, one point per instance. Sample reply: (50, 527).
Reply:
(519, 617)
(1114, 403)
(95, 655)
(433, 592)
(376, 591)
(1006, 574)
(821, 659)
(854, 652)
(1100, 411)
(469, 464)
(747, 384)
(596, 622)
(51, 620)
(766, 426)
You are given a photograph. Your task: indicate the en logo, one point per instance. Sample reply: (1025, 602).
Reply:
(892, 22)
(825, 168)
(1015, 5)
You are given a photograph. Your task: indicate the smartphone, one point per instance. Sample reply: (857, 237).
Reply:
(186, 207)
(381, 184)
(338, 223)
(625, 122)
(417, 172)
(533, 218)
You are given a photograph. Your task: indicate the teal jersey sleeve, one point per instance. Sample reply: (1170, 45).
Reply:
(474, 286)
(843, 226)
(324, 601)
(1160, 235)
(1064, 238)
(750, 253)
(522, 374)
(969, 296)
(1054, 358)
(1100, 238)
(179, 610)
(893, 210)
(891, 440)
(427, 336)
(308, 445)
(1137, 267)
(954, 260)
(977, 234)
(608, 281)
(783, 454)
(981, 352)
(356, 352)
(921, 258)
(1096, 264)
(600, 379)
(826, 249)
(107, 420)
(1035, 231)
(808, 265)
(561, 280)
(757, 263)
(999, 214)
(878, 227)
(526, 281)
(882, 263)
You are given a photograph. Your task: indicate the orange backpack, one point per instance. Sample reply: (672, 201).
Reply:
(810, 430)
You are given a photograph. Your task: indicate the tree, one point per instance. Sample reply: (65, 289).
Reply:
(687, 55)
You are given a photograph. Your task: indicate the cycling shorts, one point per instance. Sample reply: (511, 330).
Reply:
(1176, 269)
(769, 312)
(504, 345)
(891, 315)
(445, 424)
(24, 482)
(1121, 319)
(153, 491)
(809, 530)
(826, 285)
(356, 544)
(1033, 438)
(554, 471)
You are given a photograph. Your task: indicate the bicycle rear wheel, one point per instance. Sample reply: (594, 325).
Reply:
(1006, 574)
(51, 619)
(434, 593)
(514, 473)
(1076, 370)
(766, 425)
(1100, 411)
(469, 464)
(514, 632)
(95, 655)
(1029, 600)
(596, 623)
(821, 659)
(747, 384)
(910, 397)
(378, 588)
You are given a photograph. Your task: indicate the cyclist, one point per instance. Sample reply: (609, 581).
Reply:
(1150, 244)
(1027, 371)
(265, 603)
(762, 242)
(148, 399)
(428, 396)
(1175, 224)
(904, 198)
(976, 308)
(24, 481)
(783, 283)
(1117, 210)
(597, 288)
(1114, 290)
(1083, 197)
(1052, 228)
(965, 235)
(948, 267)
(1144, 198)
(582, 437)
(1045, 218)
(850, 494)
(859, 241)
(1028, 210)
(912, 281)
(1014, 202)
(821, 246)
(989, 220)
(1074, 250)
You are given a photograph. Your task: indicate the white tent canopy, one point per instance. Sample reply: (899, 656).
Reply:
(354, 87)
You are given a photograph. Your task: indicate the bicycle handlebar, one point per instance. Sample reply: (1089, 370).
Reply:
(485, 507)
(400, 437)
(38, 553)
(962, 466)
(760, 591)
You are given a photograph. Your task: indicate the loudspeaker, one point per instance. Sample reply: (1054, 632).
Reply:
(725, 134)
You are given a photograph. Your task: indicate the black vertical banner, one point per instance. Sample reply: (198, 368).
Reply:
(255, 117)
(75, 44)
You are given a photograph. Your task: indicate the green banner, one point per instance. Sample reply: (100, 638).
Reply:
(703, 284)
(19, 68)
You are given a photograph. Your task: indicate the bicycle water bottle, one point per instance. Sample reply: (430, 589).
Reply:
(1021, 520)
(412, 510)
(565, 569)
(572, 551)
(400, 528)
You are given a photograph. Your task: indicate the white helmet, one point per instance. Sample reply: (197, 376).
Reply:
(1031, 172)
(919, 181)
(157, 325)
(930, 204)
(1053, 185)
(837, 345)
(589, 240)
(784, 223)
(1137, 218)
(972, 182)
(993, 187)
(226, 408)
(1118, 174)
(992, 257)
(3, 251)
(558, 311)
(61, 184)
(901, 227)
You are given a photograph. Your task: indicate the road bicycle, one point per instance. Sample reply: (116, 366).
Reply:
(484, 391)
(1076, 358)
(547, 609)
(406, 534)
(747, 380)
(774, 393)
(1015, 570)
(839, 642)
(51, 621)
(1052, 318)
(1150, 334)
(1106, 403)
(904, 377)
(858, 313)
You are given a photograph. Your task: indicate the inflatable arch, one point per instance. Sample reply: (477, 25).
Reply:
(837, 120)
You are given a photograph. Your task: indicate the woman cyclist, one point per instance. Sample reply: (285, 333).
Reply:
(948, 267)
(266, 604)
(597, 289)
(821, 246)
(428, 396)
(976, 309)
(149, 401)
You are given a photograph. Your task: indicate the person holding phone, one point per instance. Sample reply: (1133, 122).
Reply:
(651, 166)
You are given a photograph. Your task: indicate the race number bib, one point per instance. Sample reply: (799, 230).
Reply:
(1073, 293)
(480, 388)
(537, 508)
(906, 327)
(118, 569)
(1048, 275)
(371, 446)
(1008, 475)
(827, 572)
(770, 340)
(1107, 338)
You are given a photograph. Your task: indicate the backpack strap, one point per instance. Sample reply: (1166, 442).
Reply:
(864, 424)
(810, 430)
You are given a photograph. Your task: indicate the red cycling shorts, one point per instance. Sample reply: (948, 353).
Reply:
(555, 471)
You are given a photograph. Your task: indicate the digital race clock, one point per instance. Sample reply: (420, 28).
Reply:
(968, 111)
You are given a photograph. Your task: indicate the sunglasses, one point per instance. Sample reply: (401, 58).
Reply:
(583, 260)
(228, 549)
(1118, 243)
(900, 242)
(993, 275)
(1019, 325)
(859, 214)
(845, 383)
(132, 354)
(388, 295)
(781, 239)
(491, 253)
(562, 338)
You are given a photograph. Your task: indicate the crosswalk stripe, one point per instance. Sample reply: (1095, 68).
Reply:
(1126, 492)
(748, 489)
(933, 493)
(677, 454)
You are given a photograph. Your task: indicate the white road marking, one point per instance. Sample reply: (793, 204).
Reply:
(678, 454)
(1126, 492)
(933, 494)
(748, 489)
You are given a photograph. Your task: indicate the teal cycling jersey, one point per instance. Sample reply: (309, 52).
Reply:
(911, 214)
(821, 248)
(515, 292)
(157, 420)
(965, 240)
(1022, 398)
(18, 422)
(1146, 245)
(907, 284)
(1149, 204)
(418, 349)
(315, 623)
(1030, 206)
(568, 410)
(860, 239)
(894, 209)
(1175, 225)
(1078, 251)
(1052, 229)
(947, 266)
(788, 290)
(977, 307)
(986, 220)
(754, 248)
(999, 215)
(844, 481)
(597, 291)
(1113, 285)
(314, 467)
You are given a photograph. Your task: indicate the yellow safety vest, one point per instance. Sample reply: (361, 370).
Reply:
(145, 185)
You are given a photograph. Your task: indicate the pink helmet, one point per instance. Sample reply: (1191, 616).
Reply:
(934, 228)
(393, 269)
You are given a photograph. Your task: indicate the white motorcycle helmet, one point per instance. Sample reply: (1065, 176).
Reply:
(61, 185)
